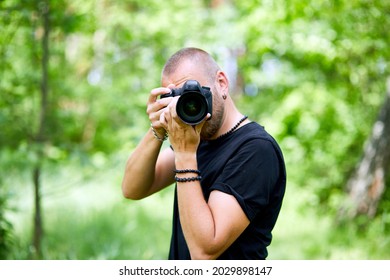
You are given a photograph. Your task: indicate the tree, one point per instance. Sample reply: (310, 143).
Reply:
(316, 73)
(312, 72)
(39, 138)
(5, 226)
(31, 118)
(368, 183)
(71, 79)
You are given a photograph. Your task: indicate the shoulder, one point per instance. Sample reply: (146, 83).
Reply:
(254, 130)
(255, 133)
(254, 137)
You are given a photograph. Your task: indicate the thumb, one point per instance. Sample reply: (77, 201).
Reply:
(199, 126)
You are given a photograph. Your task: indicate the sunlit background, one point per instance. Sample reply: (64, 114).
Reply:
(74, 81)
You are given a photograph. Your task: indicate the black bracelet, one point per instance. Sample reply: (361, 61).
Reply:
(187, 171)
(190, 179)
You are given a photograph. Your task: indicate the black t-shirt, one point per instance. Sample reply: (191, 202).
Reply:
(249, 165)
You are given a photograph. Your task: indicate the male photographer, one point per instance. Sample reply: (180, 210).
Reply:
(229, 172)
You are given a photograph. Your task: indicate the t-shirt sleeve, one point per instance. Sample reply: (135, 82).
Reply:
(250, 176)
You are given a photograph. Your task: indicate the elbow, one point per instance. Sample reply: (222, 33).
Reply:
(131, 196)
(205, 254)
(128, 194)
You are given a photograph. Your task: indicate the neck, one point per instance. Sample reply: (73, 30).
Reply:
(230, 119)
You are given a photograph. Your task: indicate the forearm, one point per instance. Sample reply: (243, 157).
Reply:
(196, 216)
(140, 168)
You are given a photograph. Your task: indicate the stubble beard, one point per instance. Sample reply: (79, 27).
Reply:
(211, 126)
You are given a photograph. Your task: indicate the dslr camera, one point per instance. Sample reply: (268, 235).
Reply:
(194, 103)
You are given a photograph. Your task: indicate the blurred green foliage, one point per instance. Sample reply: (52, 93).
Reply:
(312, 72)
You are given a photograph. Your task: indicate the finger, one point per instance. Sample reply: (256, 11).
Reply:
(155, 119)
(163, 120)
(171, 86)
(158, 104)
(199, 126)
(154, 93)
(154, 116)
(172, 106)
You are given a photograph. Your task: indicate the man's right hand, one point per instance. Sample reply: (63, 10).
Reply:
(156, 106)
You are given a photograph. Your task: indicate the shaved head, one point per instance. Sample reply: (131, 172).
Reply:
(196, 64)
(197, 57)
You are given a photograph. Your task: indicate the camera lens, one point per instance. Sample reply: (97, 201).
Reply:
(192, 107)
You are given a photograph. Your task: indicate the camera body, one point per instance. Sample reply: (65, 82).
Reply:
(194, 103)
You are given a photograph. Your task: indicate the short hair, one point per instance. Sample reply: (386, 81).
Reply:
(198, 57)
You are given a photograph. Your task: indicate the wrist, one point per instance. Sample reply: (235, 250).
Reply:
(158, 135)
(187, 175)
(186, 160)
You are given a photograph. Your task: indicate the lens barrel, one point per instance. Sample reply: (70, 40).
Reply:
(192, 107)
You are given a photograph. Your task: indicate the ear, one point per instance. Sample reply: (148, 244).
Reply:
(222, 82)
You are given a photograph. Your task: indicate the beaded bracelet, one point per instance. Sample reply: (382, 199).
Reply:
(187, 171)
(190, 179)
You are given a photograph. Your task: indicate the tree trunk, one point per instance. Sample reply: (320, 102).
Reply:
(367, 184)
(38, 225)
(39, 138)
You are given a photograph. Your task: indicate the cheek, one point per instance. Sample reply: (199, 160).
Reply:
(218, 103)
(218, 111)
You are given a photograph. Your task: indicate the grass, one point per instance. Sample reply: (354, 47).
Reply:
(86, 217)
(302, 233)
(120, 231)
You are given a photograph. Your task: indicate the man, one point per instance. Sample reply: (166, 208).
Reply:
(229, 172)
